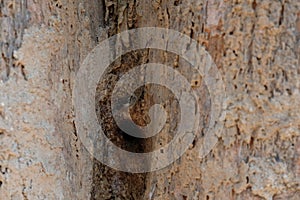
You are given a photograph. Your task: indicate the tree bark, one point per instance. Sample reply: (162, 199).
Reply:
(255, 45)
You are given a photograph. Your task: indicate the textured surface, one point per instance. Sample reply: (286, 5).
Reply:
(256, 47)
(40, 155)
(254, 43)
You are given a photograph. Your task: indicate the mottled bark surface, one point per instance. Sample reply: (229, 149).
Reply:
(256, 47)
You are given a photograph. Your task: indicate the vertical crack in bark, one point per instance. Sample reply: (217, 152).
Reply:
(281, 18)
(108, 183)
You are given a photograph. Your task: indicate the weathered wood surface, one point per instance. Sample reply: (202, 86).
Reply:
(255, 45)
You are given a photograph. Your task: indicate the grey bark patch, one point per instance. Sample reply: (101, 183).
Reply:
(14, 17)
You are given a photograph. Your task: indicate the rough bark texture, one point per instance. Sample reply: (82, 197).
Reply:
(256, 47)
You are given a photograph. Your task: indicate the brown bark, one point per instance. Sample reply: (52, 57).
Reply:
(255, 45)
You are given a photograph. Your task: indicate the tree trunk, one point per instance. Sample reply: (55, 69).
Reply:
(255, 45)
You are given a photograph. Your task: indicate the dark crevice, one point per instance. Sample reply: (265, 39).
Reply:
(75, 130)
(281, 18)
(238, 130)
(194, 143)
(254, 4)
(177, 2)
(168, 14)
(251, 142)
(23, 72)
(192, 30)
(76, 140)
(23, 193)
(108, 183)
